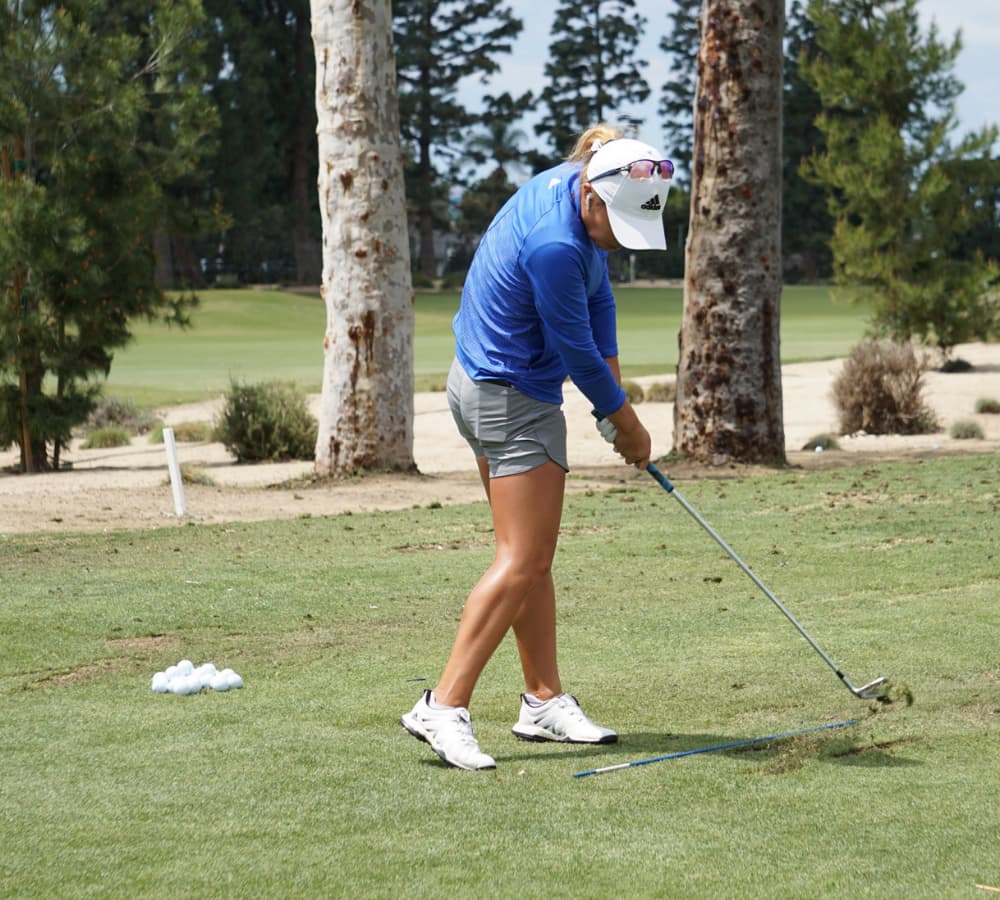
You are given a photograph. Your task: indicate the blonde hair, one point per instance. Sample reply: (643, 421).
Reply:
(588, 143)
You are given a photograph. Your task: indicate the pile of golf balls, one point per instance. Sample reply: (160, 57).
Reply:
(186, 678)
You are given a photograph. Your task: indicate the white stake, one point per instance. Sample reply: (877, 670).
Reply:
(176, 483)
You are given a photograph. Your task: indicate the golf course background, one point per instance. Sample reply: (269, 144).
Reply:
(257, 335)
(303, 784)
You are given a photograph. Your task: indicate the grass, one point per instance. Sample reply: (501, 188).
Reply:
(303, 783)
(261, 335)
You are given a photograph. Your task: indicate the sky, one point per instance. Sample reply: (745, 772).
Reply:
(977, 67)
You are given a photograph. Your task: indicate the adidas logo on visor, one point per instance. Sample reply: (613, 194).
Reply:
(652, 204)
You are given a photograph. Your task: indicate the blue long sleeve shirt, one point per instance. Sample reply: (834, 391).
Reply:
(537, 303)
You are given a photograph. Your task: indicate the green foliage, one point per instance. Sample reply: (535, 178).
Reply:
(988, 405)
(261, 75)
(592, 72)
(965, 430)
(438, 44)
(115, 121)
(676, 107)
(822, 442)
(108, 436)
(185, 432)
(806, 224)
(900, 212)
(880, 391)
(267, 421)
(337, 623)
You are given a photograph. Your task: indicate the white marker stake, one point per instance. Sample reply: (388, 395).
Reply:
(176, 484)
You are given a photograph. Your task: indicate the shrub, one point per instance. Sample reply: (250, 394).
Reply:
(987, 405)
(109, 436)
(633, 390)
(951, 366)
(965, 430)
(821, 442)
(266, 421)
(188, 432)
(122, 413)
(195, 475)
(880, 390)
(662, 392)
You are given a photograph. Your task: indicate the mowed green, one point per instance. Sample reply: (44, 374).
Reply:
(303, 784)
(260, 335)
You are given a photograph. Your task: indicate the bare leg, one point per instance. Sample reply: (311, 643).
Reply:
(526, 509)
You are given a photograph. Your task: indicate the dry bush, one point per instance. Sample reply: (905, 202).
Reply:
(661, 392)
(880, 391)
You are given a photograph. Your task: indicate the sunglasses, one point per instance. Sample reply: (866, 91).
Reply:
(642, 168)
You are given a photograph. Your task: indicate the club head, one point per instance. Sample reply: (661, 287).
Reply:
(874, 690)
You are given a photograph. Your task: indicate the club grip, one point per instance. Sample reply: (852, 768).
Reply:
(660, 477)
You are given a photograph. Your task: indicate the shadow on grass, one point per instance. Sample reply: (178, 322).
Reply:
(635, 747)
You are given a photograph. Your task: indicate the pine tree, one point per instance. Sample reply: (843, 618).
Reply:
(592, 72)
(263, 80)
(888, 93)
(97, 122)
(439, 43)
(677, 94)
(806, 225)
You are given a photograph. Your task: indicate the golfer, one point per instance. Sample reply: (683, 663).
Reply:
(537, 306)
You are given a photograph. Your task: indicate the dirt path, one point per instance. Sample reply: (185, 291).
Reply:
(128, 487)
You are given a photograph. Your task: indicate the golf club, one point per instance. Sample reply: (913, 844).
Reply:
(874, 690)
(731, 745)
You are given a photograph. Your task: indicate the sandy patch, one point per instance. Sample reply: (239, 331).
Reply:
(129, 488)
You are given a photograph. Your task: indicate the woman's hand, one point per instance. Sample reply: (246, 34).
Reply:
(632, 442)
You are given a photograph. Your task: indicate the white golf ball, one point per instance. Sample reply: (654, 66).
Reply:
(171, 673)
(219, 682)
(161, 684)
(185, 667)
(185, 685)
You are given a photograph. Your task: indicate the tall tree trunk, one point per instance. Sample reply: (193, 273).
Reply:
(728, 405)
(366, 412)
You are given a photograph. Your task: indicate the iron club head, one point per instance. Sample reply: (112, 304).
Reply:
(874, 690)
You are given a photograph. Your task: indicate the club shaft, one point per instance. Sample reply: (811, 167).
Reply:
(670, 489)
(716, 747)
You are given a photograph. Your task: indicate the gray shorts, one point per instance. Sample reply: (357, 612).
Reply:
(516, 433)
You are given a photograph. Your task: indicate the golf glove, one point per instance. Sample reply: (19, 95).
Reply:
(607, 430)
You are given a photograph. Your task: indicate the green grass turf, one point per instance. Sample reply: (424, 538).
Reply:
(303, 783)
(261, 335)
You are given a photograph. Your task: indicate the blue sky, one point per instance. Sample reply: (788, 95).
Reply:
(978, 65)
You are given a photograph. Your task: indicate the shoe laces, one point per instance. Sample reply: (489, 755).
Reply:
(564, 706)
(462, 732)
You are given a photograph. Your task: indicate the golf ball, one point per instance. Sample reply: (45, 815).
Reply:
(185, 667)
(161, 684)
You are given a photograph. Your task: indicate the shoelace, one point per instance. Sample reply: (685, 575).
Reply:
(565, 702)
(463, 733)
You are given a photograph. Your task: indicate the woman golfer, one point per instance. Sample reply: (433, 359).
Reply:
(537, 306)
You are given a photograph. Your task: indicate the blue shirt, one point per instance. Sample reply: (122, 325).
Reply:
(537, 303)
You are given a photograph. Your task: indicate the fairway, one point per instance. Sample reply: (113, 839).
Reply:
(254, 335)
(303, 784)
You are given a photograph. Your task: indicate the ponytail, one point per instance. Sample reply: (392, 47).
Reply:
(590, 142)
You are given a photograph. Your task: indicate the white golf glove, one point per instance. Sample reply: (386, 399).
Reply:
(607, 430)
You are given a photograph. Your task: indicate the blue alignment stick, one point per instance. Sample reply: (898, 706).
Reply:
(732, 744)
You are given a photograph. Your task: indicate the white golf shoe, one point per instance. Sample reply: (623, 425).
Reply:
(559, 719)
(449, 732)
